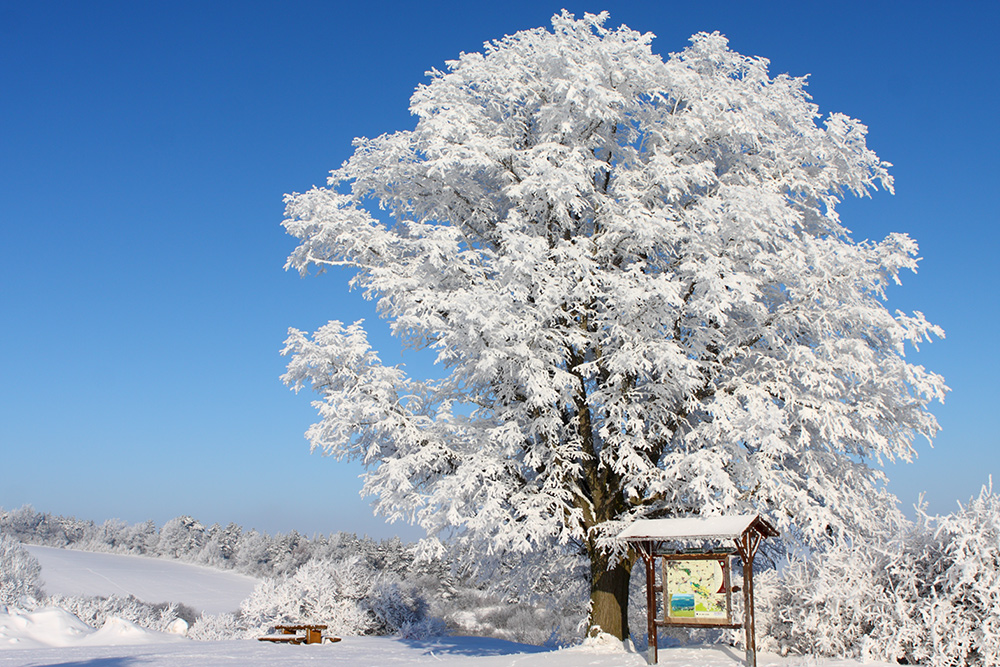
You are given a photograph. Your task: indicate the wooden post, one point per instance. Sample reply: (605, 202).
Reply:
(650, 561)
(747, 546)
(727, 582)
(750, 643)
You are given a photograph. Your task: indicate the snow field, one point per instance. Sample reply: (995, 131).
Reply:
(204, 589)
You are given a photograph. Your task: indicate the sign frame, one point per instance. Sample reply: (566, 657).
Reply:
(724, 558)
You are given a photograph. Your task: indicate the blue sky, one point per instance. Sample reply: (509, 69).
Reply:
(145, 149)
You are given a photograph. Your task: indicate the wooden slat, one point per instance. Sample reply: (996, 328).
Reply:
(695, 624)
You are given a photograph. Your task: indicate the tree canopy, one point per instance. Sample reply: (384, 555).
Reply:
(634, 275)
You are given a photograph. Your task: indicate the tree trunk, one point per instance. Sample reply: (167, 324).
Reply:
(609, 594)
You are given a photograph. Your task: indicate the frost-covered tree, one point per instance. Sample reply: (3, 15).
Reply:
(633, 274)
(181, 537)
(19, 572)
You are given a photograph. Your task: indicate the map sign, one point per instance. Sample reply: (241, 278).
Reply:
(696, 589)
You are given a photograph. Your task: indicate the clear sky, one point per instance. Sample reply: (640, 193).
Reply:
(145, 149)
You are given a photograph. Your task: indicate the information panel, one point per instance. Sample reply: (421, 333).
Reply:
(696, 589)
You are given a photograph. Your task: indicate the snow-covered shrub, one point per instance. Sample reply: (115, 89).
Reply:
(400, 608)
(348, 596)
(95, 611)
(821, 605)
(218, 627)
(477, 613)
(19, 572)
(393, 605)
(960, 609)
(424, 628)
(928, 595)
(534, 598)
(541, 621)
(327, 593)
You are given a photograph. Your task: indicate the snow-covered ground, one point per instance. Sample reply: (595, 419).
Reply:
(154, 580)
(120, 644)
(53, 637)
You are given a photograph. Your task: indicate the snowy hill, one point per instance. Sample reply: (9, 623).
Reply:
(72, 572)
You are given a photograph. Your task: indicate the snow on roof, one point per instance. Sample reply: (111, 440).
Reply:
(713, 527)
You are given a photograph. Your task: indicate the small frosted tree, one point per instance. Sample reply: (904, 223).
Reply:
(19, 572)
(634, 275)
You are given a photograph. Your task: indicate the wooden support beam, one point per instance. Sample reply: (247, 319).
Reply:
(650, 562)
(747, 545)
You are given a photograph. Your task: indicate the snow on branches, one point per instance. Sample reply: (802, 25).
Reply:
(19, 574)
(928, 594)
(633, 271)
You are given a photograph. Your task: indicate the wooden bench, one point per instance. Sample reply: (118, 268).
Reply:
(282, 639)
(289, 634)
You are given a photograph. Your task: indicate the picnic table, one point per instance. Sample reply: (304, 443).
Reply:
(289, 634)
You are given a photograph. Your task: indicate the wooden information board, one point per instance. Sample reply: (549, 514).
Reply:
(696, 589)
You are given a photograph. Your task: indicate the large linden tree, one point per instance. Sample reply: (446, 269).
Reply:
(633, 274)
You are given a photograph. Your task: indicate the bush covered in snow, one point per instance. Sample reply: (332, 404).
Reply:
(930, 595)
(536, 598)
(217, 627)
(347, 595)
(478, 613)
(19, 572)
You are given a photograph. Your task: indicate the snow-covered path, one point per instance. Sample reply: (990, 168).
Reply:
(72, 572)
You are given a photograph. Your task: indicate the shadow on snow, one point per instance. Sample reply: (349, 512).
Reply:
(116, 661)
(471, 646)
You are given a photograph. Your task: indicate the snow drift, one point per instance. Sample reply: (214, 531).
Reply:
(56, 627)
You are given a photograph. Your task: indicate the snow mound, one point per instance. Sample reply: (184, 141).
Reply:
(602, 642)
(55, 627)
(49, 626)
(178, 627)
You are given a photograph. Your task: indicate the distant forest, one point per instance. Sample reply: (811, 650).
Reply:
(229, 547)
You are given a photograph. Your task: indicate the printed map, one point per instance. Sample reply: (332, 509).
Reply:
(696, 589)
